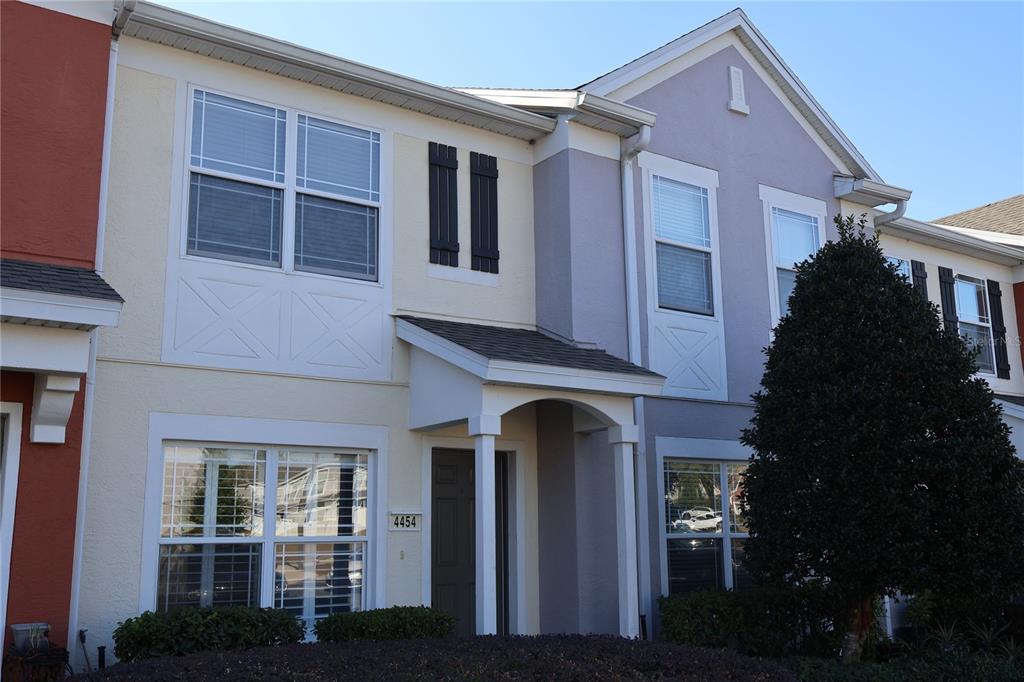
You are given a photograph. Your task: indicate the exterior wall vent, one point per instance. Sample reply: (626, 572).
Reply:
(737, 94)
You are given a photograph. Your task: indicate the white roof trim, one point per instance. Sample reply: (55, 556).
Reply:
(166, 26)
(944, 238)
(986, 235)
(528, 374)
(868, 192)
(47, 309)
(769, 59)
(586, 108)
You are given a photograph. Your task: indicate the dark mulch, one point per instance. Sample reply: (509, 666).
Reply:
(568, 657)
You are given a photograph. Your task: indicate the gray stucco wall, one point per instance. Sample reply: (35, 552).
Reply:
(581, 286)
(597, 543)
(556, 491)
(766, 147)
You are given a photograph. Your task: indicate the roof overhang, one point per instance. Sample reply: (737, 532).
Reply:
(940, 237)
(47, 309)
(585, 108)
(504, 372)
(986, 235)
(187, 32)
(868, 192)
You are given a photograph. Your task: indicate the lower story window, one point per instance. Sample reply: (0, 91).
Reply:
(704, 529)
(260, 526)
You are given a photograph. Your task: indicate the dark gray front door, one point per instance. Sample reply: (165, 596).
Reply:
(452, 542)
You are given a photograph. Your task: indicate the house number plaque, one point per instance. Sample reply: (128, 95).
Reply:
(405, 522)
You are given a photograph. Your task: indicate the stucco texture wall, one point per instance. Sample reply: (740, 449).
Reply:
(766, 147)
(52, 97)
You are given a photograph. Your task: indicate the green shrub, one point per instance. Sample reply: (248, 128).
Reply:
(957, 667)
(191, 630)
(397, 622)
(762, 621)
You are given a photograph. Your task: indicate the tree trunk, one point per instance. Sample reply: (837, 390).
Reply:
(857, 633)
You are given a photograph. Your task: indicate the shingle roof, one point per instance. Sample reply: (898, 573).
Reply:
(55, 279)
(1006, 216)
(524, 345)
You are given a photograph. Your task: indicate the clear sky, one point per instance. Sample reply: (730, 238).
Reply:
(932, 93)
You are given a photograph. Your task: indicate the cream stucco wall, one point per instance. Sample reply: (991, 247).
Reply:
(136, 376)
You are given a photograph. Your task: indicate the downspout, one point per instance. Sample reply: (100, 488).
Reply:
(895, 214)
(118, 24)
(631, 147)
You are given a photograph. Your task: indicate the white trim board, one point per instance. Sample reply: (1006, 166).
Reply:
(75, 312)
(8, 498)
(269, 432)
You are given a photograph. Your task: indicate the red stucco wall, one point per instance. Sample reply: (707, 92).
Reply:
(42, 553)
(53, 86)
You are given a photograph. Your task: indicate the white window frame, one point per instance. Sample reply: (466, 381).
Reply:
(289, 187)
(900, 263)
(272, 436)
(654, 165)
(698, 451)
(772, 197)
(960, 320)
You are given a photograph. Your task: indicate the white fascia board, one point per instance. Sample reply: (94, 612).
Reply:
(280, 57)
(528, 374)
(565, 102)
(987, 236)
(80, 311)
(868, 192)
(613, 110)
(34, 348)
(933, 235)
(1011, 409)
(766, 55)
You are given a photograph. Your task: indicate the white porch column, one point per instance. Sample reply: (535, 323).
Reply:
(484, 428)
(622, 438)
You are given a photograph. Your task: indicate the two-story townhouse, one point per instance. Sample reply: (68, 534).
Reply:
(738, 180)
(330, 389)
(52, 296)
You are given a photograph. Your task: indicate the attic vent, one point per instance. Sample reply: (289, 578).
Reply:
(737, 95)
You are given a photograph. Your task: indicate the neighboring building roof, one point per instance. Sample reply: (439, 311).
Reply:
(55, 279)
(1015, 399)
(1005, 216)
(524, 345)
(952, 239)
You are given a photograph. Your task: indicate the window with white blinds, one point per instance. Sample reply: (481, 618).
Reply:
(225, 541)
(974, 320)
(795, 237)
(683, 248)
(240, 190)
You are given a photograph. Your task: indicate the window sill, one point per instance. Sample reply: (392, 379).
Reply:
(464, 275)
(271, 269)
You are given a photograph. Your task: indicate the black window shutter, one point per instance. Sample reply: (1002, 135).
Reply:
(444, 205)
(919, 277)
(995, 304)
(947, 292)
(483, 189)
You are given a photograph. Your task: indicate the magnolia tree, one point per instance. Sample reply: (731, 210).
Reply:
(881, 464)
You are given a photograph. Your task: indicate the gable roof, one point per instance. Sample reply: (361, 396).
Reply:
(1005, 216)
(737, 21)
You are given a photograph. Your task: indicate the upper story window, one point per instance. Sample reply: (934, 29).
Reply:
(902, 266)
(683, 248)
(247, 205)
(975, 321)
(796, 230)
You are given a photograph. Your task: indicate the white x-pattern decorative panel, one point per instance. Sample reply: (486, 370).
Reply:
(223, 315)
(690, 352)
